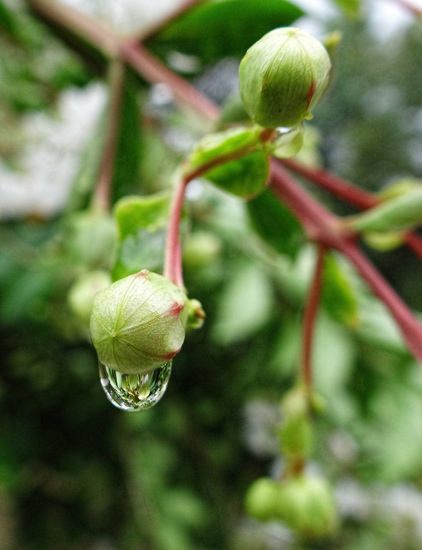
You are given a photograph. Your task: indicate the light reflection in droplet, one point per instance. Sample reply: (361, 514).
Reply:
(135, 392)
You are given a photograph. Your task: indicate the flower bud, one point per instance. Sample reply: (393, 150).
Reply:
(82, 292)
(306, 504)
(282, 76)
(262, 499)
(138, 323)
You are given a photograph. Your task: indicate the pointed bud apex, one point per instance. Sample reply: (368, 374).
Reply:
(138, 323)
(282, 76)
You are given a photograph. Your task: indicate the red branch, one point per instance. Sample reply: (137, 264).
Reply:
(309, 319)
(348, 192)
(323, 230)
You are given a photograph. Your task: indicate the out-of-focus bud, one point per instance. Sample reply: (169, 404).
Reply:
(306, 504)
(262, 499)
(138, 323)
(82, 292)
(282, 76)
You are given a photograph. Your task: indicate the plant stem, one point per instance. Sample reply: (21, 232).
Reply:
(348, 192)
(168, 17)
(83, 26)
(309, 319)
(154, 71)
(173, 253)
(102, 196)
(323, 229)
(338, 186)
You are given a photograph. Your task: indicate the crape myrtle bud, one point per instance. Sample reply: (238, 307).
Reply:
(138, 323)
(282, 76)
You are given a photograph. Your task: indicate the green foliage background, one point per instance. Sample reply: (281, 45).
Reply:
(75, 472)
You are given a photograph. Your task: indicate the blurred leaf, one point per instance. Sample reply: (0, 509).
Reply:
(338, 294)
(134, 212)
(141, 225)
(396, 447)
(244, 177)
(333, 358)
(245, 305)
(209, 32)
(350, 7)
(275, 224)
(395, 214)
(222, 143)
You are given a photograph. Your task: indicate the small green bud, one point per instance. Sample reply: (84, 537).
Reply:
(282, 77)
(306, 504)
(82, 292)
(138, 323)
(262, 499)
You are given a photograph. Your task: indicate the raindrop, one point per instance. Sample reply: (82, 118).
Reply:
(135, 392)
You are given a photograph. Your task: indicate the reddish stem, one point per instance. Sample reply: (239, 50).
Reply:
(102, 195)
(309, 319)
(173, 254)
(170, 16)
(338, 186)
(348, 192)
(324, 229)
(154, 71)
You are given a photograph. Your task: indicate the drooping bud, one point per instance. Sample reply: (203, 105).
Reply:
(262, 499)
(282, 76)
(138, 323)
(306, 504)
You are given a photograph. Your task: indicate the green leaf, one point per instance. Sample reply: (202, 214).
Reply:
(244, 177)
(226, 28)
(350, 7)
(223, 143)
(245, 305)
(338, 295)
(141, 223)
(399, 213)
(133, 213)
(275, 224)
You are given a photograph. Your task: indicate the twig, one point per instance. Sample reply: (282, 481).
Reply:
(324, 231)
(349, 192)
(309, 319)
(168, 17)
(149, 67)
(102, 195)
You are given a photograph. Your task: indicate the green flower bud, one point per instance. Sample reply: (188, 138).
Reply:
(306, 504)
(82, 292)
(262, 499)
(138, 323)
(282, 77)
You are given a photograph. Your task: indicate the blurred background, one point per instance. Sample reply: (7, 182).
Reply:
(77, 473)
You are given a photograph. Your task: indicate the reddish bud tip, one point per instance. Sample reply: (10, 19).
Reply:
(311, 93)
(176, 308)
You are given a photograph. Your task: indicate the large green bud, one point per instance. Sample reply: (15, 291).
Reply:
(282, 76)
(138, 323)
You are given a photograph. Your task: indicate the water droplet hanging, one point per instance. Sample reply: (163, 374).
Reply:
(135, 392)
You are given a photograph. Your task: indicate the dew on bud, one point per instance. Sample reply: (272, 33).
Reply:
(135, 392)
